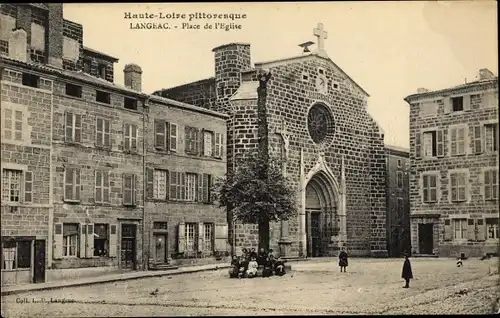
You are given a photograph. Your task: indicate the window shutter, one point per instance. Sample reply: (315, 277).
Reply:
(68, 126)
(77, 184)
(206, 186)
(126, 189)
(58, 240)
(214, 146)
(440, 143)
(105, 186)
(448, 230)
(447, 105)
(471, 235)
(98, 187)
(133, 138)
(83, 240)
(126, 136)
(221, 237)
(210, 188)
(107, 128)
(173, 185)
(149, 183)
(89, 247)
(418, 145)
(466, 99)
(99, 132)
(199, 179)
(221, 146)
(201, 236)
(113, 240)
(68, 183)
(134, 189)
(28, 186)
(217, 143)
(167, 135)
(187, 137)
(201, 142)
(173, 136)
(181, 237)
(159, 134)
(478, 140)
(481, 230)
(182, 192)
(78, 128)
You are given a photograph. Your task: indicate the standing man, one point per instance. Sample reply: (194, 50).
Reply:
(343, 260)
(407, 273)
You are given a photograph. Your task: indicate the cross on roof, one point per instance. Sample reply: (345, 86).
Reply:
(321, 34)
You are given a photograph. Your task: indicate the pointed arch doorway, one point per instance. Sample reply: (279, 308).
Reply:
(322, 220)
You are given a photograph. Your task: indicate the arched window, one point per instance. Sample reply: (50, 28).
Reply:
(320, 123)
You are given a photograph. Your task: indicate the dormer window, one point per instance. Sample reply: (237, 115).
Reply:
(87, 66)
(458, 103)
(31, 80)
(101, 70)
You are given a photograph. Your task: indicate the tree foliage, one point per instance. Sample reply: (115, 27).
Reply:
(253, 198)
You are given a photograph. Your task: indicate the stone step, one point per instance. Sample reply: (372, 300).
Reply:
(163, 267)
(294, 259)
(424, 256)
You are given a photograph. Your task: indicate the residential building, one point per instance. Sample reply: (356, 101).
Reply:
(398, 200)
(454, 168)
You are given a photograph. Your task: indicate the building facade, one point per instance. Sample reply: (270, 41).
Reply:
(76, 157)
(454, 168)
(318, 122)
(398, 200)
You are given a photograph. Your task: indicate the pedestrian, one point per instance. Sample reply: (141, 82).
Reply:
(407, 273)
(343, 260)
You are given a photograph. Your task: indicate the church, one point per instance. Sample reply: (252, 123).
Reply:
(319, 124)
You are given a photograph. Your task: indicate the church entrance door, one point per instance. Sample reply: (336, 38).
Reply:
(321, 218)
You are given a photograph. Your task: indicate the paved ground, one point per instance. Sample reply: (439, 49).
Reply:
(371, 286)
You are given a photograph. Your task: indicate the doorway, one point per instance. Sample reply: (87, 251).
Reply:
(128, 246)
(313, 234)
(161, 249)
(39, 262)
(425, 238)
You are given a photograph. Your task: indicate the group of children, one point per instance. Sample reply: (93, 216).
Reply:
(251, 264)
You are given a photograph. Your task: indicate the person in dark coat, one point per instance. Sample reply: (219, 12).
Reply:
(235, 267)
(253, 253)
(268, 268)
(261, 257)
(407, 273)
(279, 267)
(343, 260)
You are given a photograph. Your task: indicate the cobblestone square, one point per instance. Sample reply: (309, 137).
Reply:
(370, 286)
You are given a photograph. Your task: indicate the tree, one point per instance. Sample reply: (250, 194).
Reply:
(256, 199)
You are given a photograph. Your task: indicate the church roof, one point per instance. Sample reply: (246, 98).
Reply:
(247, 90)
(294, 59)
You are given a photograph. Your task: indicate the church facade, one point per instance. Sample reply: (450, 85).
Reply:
(318, 122)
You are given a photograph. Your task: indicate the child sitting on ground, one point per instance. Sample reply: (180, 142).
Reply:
(279, 267)
(252, 268)
(235, 267)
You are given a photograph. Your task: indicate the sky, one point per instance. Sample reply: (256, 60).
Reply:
(388, 48)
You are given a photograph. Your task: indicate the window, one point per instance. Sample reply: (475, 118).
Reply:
(87, 66)
(335, 85)
(173, 137)
(129, 188)
(458, 187)
(208, 237)
(160, 225)
(73, 90)
(166, 135)
(73, 127)
(190, 237)
(321, 71)
(491, 137)
(208, 142)
(305, 77)
(102, 132)
(16, 255)
(457, 141)
(103, 97)
(130, 103)
(101, 70)
(101, 243)
(492, 228)
(11, 185)
(102, 187)
(72, 184)
(430, 144)
(399, 163)
(458, 103)
(129, 137)
(429, 188)
(177, 182)
(491, 184)
(13, 124)
(459, 228)
(160, 184)
(399, 176)
(400, 208)
(218, 145)
(192, 140)
(31, 80)
(70, 239)
(191, 186)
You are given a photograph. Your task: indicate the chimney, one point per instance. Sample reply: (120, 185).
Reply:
(133, 77)
(55, 34)
(422, 90)
(485, 74)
